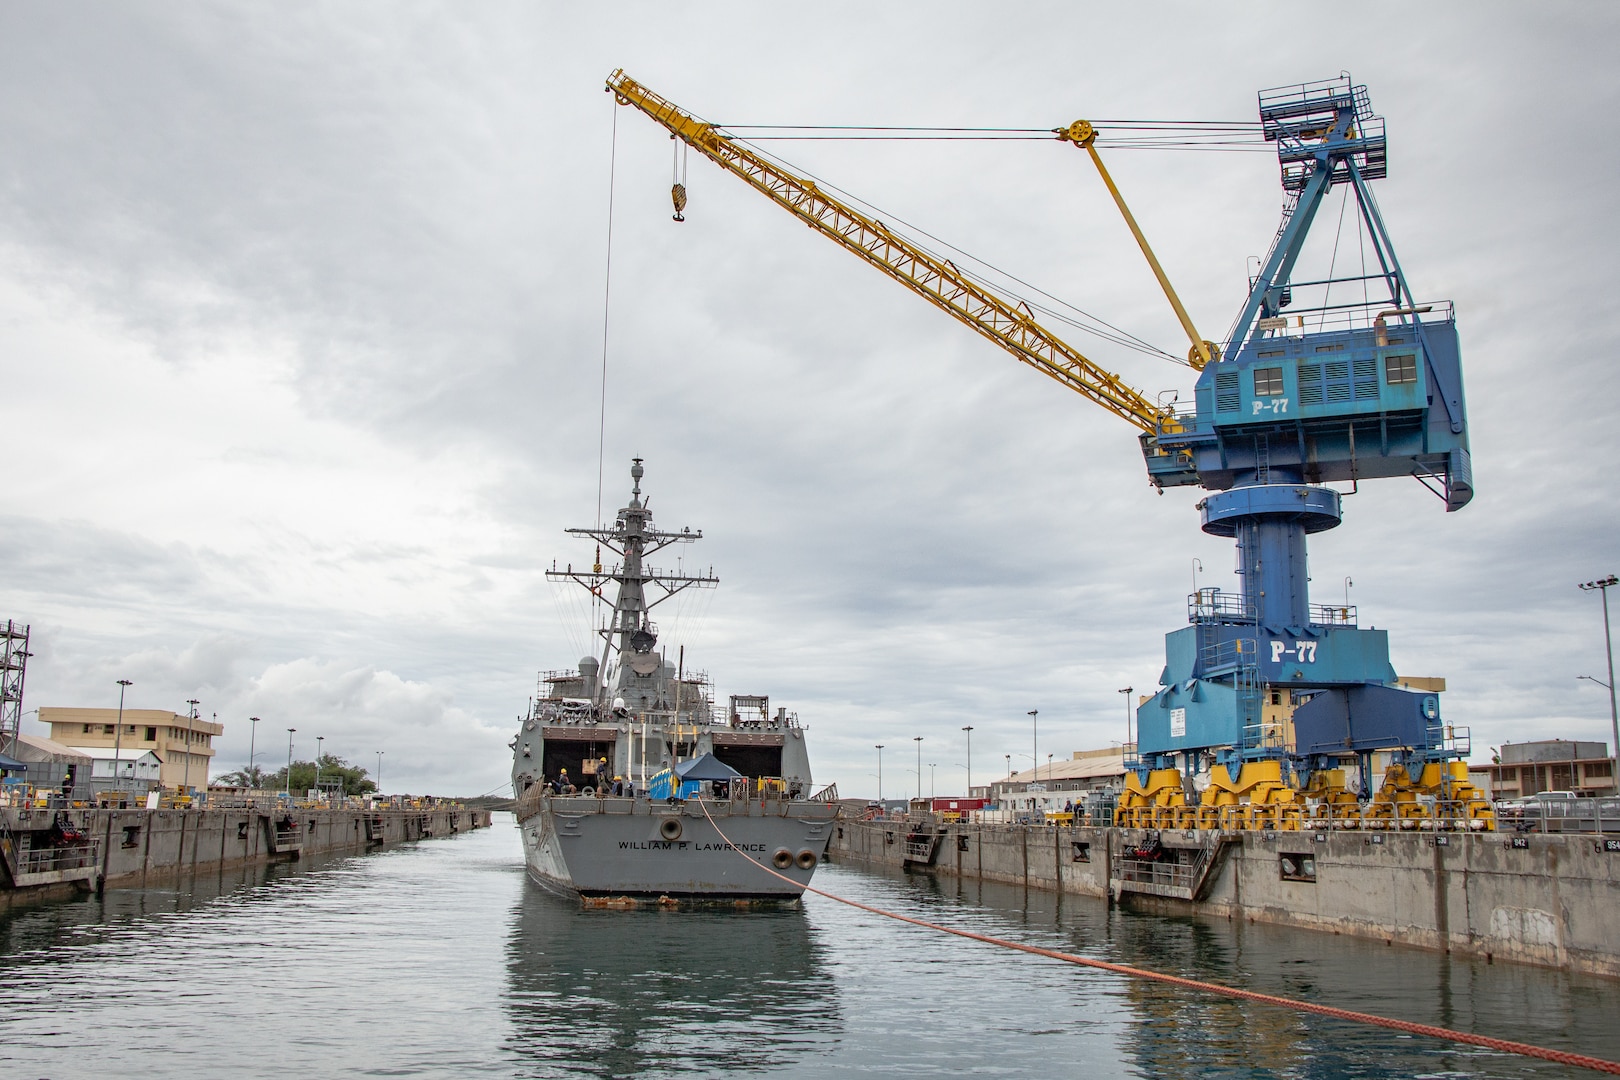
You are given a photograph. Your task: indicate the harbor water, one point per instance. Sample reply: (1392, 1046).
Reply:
(439, 959)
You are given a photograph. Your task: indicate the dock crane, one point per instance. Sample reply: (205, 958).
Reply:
(1265, 697)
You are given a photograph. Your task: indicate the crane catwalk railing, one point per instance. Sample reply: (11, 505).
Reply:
(1010, 325)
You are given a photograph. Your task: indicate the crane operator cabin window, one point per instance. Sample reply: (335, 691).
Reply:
(1267, 381)
(1400, 369)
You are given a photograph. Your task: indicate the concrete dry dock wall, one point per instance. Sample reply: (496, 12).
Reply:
(1551, 900)
(134, 847)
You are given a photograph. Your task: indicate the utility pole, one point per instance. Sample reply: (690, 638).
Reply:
(379, 772)
(969, 730)
(1035, 741)
(1602, 585)
(1130, 739)
(918, 740)
(253, 738)
(191, 723)
(118, 734)
(880, 771)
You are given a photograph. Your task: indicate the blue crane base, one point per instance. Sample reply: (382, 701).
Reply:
(1266, 674)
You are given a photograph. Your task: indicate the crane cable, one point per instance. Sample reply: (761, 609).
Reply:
(1114, 335)
(1506, 1046)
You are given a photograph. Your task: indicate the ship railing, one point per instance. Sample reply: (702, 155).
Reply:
(828, 794)
(774, 723)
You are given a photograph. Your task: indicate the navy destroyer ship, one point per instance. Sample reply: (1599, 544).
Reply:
(633, 785)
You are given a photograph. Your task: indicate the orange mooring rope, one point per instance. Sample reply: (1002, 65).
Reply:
(1506, 1046)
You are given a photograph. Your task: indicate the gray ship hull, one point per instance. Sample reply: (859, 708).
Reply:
(635, 850)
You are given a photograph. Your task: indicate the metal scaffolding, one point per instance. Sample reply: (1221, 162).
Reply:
(14, 656)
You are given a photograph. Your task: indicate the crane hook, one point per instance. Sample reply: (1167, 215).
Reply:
(677, 190)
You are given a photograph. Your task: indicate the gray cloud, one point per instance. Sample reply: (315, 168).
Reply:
(300, 321)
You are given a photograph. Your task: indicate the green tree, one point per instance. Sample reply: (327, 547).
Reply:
(332, 768)
(253, 778)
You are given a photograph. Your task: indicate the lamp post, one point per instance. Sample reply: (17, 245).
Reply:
(918, 740)
(880, 771)
(1602, 586)
(1130, 740)
(969, 730)
(379, 771)
(191, 722)
(1049, 766)
(289, 762)
(253, 738)
(118, 735)
(320, 740)
(1035, 743)
(933, 792)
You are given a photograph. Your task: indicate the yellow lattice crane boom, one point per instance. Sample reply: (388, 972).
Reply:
(1008, 323)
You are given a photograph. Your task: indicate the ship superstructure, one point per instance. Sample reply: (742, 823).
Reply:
(632, 783)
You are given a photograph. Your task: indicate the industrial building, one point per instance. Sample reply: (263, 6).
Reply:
(1529, 768)
(1087, 770)
(181, 745)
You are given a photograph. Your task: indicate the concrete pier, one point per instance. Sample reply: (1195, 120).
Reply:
(45, 854)
(1541, 899)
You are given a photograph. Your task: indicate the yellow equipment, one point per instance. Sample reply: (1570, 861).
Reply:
(1008, 323)
(1161, 803)
(1258, 797)
(1083, 135)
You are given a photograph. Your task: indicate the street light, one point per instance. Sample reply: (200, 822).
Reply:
(1602, 585)
(253, 738)
(379, 771)
(969, 730)
(190, 723)
(1035, 743)
(319, 741)
(933, 792)
(289, 762)
(1129, 738)
(880, 771)
(918, 740)
(118, 734)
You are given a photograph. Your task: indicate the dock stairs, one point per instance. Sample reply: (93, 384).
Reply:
(41, 857)
(922, 847)
(1153, 868)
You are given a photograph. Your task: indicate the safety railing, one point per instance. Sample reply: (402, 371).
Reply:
(1214, 605)
(920, 850)
(1578, 815)
(44, 860)
(1333, 614)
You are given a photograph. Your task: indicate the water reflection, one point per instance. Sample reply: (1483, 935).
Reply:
(1170, 1033)
(29, 930)
(618, 993)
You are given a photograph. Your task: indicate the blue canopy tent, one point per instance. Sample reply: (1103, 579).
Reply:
(707, 767)
(687, 777)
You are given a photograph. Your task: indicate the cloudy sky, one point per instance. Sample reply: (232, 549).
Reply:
(301, 326)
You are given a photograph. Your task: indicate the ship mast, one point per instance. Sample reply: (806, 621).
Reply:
(629, 631)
